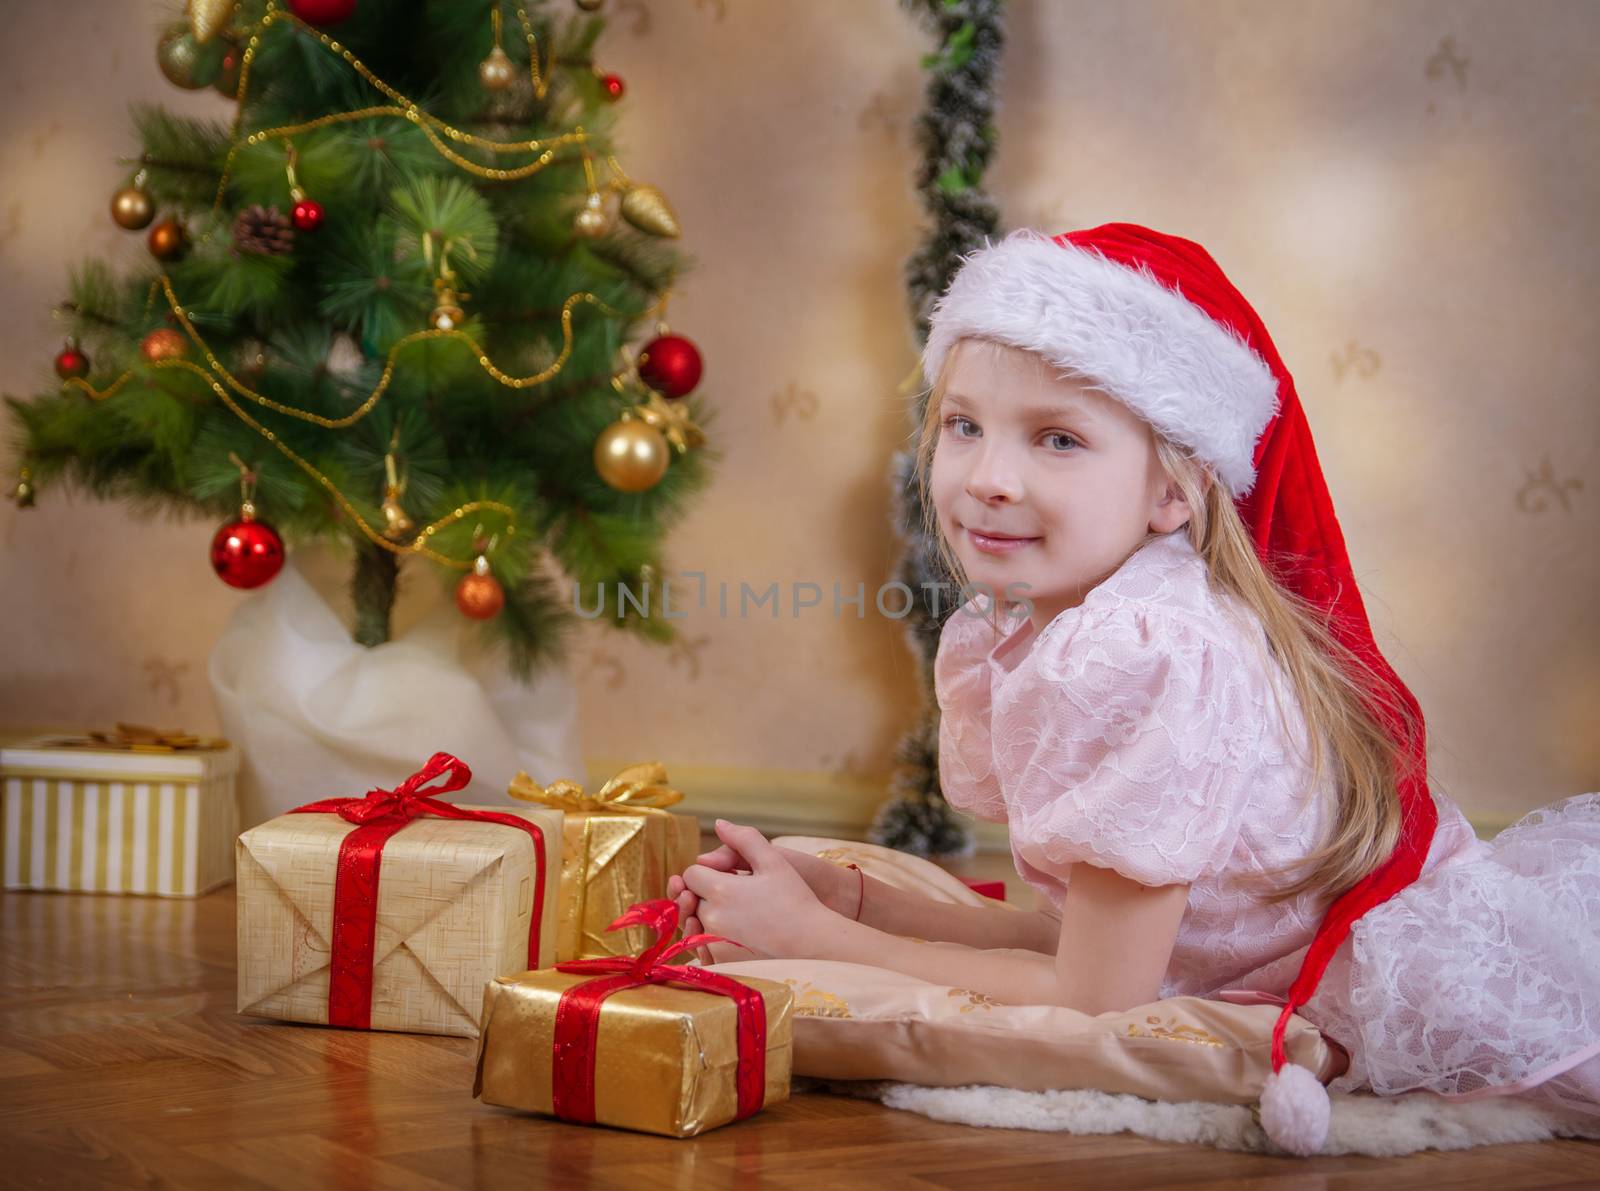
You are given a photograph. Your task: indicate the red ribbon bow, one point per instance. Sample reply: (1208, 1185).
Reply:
(379, 816)
(577, 1024)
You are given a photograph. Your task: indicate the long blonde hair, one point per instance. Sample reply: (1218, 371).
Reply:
(1339, 695)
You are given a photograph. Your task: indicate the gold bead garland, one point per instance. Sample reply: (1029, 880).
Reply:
(419, 544)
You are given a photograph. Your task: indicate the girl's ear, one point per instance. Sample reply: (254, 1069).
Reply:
(1170, 511)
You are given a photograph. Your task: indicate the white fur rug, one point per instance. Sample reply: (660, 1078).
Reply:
(1369, 1125)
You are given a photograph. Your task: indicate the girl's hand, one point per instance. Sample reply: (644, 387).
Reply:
(835, 886)
(770, 909)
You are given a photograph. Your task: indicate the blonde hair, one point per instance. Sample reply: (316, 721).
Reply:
(1339, 695)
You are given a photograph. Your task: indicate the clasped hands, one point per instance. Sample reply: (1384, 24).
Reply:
(778, 902)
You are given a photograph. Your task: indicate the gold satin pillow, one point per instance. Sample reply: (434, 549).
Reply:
(855, 1021)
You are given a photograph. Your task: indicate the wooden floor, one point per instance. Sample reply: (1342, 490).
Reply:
(122, 1063)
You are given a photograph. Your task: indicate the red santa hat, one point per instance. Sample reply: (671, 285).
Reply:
(1151, 319)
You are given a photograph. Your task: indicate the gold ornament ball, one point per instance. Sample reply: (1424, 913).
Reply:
(497, 71)
(131, 208)
(447, 317)
(163, 344)
(185, 62)
(631, 456)
(592, 220)
(167, 241)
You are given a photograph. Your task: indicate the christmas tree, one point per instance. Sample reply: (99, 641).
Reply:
(390, 304)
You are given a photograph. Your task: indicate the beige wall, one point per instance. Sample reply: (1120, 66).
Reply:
(1407, 192)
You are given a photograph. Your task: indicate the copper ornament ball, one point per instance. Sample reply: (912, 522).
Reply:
(631, 456)
(497, 71)
(132, 208)
(479, 595)
(167, 241)
(163, 344)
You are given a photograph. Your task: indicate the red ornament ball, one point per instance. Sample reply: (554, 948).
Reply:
(228, 75)
(612, 85)
(322, 12)
(671, 365)
(306, 215)
(246, 553)
(71, 362)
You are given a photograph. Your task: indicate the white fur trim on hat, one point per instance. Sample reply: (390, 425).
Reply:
(1159, 354)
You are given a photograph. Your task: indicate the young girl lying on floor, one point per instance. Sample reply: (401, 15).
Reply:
(1168, 688)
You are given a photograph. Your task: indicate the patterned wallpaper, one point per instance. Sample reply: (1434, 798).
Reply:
(1407, 193)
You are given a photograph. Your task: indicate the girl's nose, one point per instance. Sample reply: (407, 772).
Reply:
(993, 477)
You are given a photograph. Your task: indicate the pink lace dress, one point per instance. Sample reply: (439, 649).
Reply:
(1151, 731)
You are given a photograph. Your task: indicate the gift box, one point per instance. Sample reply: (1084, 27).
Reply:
(392, 911)
(618, 848)
(637, 1042)
(137, 810)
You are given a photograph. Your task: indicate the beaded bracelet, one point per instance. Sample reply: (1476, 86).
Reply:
(862, 896)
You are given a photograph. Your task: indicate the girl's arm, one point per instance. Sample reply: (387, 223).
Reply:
(901, 912)
(1115, 942)
(896, 911)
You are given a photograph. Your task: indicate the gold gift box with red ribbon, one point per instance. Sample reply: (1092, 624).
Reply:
(393, 910)
(618, 848)
(637, 1042)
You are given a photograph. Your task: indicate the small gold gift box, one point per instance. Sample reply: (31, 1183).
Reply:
(618, 848)
(664, 1058)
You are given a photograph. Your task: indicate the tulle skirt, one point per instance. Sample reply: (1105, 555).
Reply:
(1483, 978)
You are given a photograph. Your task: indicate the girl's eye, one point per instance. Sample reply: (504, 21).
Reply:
(1055, 435)
(950, 423)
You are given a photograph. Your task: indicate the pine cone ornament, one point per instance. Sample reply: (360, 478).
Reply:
(263, 230)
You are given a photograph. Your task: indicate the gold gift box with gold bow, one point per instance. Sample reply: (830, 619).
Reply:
(618, 848)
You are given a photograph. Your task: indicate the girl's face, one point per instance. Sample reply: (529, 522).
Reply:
(1041, 483)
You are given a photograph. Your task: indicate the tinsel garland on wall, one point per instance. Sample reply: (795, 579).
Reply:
(957, 137)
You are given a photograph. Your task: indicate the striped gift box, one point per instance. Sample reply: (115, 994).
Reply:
(115, 821)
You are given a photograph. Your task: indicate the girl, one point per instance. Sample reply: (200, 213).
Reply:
(1206, 765)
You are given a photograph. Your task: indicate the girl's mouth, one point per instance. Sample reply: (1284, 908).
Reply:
(997, 544)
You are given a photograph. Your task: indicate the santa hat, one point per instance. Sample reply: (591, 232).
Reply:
(1151, 319)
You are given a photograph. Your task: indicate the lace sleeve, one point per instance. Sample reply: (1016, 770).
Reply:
(962, 685)
(1134, 750)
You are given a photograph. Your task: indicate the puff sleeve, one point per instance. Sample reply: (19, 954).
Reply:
(1132, 747)
(962, 685)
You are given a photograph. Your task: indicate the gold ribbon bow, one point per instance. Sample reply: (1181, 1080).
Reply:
(636, 790)
(136, 738)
